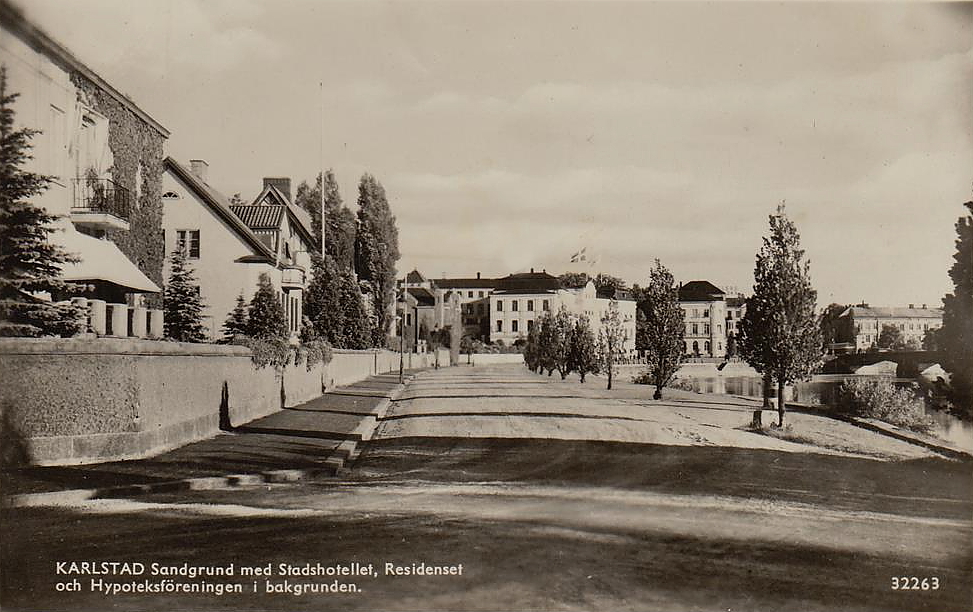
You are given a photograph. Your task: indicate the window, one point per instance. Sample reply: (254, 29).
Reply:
(408, 318)
(545, 305)
(479, 309)
(530, 324)
(695, 329)
(513, 305)
(729, 316)
(499, 305)
(481, 294)
(499, 325)
(705, 312)
(170, 195)
(513, 326)
(187, 241)
(530, 305)
(705, 328)
(469, 294)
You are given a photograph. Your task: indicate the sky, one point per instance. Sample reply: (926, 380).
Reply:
(510, 135)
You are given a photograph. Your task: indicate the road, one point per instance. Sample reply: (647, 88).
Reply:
(551, 495)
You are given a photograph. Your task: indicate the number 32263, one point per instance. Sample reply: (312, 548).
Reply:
(914, 583)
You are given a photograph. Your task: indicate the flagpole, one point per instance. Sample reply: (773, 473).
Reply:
(321, 155)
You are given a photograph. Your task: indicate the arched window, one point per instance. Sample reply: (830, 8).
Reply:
(706, 347)
(170, 195)
(695, 347)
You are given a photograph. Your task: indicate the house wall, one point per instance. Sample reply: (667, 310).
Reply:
(85, 401)
(709, 317)
(221, 278)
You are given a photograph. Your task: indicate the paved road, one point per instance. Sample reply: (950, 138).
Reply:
(561, 523)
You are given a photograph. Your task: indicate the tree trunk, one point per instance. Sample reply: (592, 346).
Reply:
(768, 389)
(658, 393)
(757, 422)
(563, 374)
(609, 377)
(582, 375)
(780, 402)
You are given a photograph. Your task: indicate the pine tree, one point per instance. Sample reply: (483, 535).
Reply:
(611, 339)
(29, 263)
(236, 321)
(955, 338)
(780, 334)
(322, 301)
(583, 352)
(266, 319)
(663, 327)
(376, 251)
(182, 305)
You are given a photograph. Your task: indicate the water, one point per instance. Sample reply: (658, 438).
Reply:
(821, 389)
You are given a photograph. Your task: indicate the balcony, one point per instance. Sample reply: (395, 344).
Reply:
(100, 204)
(292, 278)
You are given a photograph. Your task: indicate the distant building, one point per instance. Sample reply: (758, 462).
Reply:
(862, 324)
(474, 299)
(229, 246)
(428, 308)
(705, 309)
(105, 154)
(736, 307)
(519, 300)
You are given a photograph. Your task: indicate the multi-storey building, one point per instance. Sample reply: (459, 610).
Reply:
(429, 308)
(705, 311)
(104, 154)
(474, 299)
(736, 307)
(862, 324)
(229, 246)
(520, 299)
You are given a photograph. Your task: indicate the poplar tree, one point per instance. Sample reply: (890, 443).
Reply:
(955, 338)
(266, 319)
(546, 340)
(29, 263)
(611, 339)
(663, 327)
(339, 221)
(182, 305)
(583, 353)
(376, 251)
(779, 335)
(560, 339)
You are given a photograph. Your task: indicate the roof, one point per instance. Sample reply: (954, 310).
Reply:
(892, 312)
(415, 277)
(528, 282)
(466, 283)
(300, 219)
(614, 293)
(736, 301)
(423, 296)
(259, 216)
(218, 204)
(14, 21)
(699, 291)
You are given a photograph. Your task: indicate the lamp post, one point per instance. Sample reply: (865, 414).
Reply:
(400, 323)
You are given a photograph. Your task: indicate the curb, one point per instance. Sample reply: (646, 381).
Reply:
(332, 465)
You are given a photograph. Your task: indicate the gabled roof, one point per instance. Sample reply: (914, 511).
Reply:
(423, 296)
(528, 282)
(299, 218)
(259, 216)
(892, 312)
(219, 205)
(466, 283)
(415, 277)
(699, 291)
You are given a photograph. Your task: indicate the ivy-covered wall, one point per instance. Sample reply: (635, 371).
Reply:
(134, 144)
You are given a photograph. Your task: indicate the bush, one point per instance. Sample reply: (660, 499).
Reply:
(879, 399)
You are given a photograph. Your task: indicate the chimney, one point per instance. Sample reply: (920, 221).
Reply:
(532, 270)
(924, 306)
(283, 184)
(477, 276)
(911, 306)
(200, 168)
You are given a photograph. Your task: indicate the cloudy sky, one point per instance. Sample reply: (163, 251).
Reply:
(510, 135)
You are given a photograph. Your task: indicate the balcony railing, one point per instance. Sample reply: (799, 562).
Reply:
(101, 196)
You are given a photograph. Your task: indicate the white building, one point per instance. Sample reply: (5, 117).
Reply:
(862, 324)
(706, 318)
(229, 246)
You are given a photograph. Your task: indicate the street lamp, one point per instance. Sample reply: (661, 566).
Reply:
(399, 324)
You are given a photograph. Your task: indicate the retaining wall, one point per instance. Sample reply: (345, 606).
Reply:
(72, 401)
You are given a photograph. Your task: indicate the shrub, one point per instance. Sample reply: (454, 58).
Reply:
(879, 398)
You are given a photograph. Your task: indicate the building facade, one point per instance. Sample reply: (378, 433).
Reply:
(706, 318)
(861, 325)
(474, 300)
(229, 246)
(104, 155)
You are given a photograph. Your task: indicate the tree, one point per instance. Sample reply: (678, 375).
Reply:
(339, 221)
(266, 319)
(583, 348)
(830, 324)
(890, 337)
(611, 339)
(574, 280)
(930, 339)
(531, 348)
(546, 341)
(29, 263)
(607, 281)
(664, 327)
(376, 251)
(182, 305)
(779, 335)
(355, 321)
(236, 321)
(956, 335)
(560, 338)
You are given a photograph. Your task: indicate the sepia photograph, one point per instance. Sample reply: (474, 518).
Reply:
(486, 305)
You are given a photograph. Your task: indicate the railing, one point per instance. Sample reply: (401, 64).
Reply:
(99, 195)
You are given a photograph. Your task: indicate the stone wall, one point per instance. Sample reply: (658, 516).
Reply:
(89, 400)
